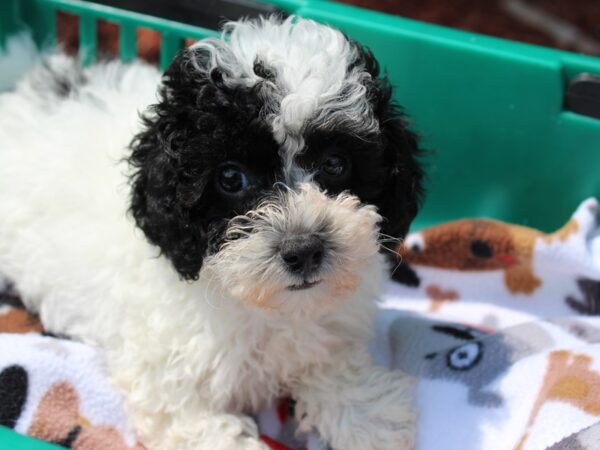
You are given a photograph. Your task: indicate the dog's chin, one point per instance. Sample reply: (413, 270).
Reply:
(306, 299)
(312, 298)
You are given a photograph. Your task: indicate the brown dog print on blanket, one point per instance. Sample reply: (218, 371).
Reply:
(15, 320)
(439, 296)
(13, 316)
(57, 420)
(570, 228)
(479, 245)
(569, 379)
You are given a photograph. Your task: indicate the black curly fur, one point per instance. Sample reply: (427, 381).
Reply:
(387, 169)
(197, 125)
(200, 123)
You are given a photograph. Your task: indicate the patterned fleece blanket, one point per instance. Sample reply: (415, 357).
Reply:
(498, 322)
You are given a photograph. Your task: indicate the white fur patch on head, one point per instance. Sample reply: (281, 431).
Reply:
(312, 79)
(252, 270)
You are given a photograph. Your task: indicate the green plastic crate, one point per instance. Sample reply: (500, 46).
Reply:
(491, 110)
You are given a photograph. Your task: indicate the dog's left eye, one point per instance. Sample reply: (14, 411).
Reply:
(231, 179)
(334, 165)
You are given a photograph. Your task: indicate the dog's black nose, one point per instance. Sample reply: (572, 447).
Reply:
(302, 254)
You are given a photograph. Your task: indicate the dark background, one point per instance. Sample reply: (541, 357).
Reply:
(572, 25)
(491, 17)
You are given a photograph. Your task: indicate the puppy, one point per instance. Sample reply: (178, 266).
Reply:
(258, 185)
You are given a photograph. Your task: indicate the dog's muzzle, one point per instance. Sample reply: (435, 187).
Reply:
(300, 246)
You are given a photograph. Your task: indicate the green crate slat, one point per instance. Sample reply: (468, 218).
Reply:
(9, 21)
(87, 38)
(121, 16)
(170, 44)
(127, 41)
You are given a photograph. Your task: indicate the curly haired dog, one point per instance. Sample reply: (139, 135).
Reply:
(264, 175)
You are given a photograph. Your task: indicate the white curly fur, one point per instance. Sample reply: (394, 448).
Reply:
(191, 358)
(247, 267)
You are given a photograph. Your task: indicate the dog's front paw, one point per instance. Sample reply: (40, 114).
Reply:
(252, 444)
(377, 414)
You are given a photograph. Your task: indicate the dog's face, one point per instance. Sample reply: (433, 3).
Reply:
(272, 160)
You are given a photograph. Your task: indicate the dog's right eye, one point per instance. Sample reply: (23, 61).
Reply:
(231, 179)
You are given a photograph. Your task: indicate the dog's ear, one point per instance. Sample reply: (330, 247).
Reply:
(161, 182)
(401, 196)
(404, 188)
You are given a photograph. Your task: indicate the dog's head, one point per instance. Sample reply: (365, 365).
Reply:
(274, 156)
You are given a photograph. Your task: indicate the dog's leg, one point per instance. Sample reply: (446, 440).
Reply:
(356, 406)
(195, 429)
(171, 411)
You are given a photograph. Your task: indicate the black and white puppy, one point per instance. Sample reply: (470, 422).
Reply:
(265, 174)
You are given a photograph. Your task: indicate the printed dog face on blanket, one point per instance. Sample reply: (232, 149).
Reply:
(461, 354)
(271, 160)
